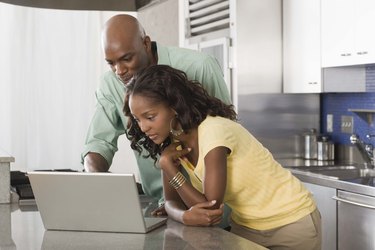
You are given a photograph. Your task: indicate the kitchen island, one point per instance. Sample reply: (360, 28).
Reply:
(345, 196)
(22, 229)
(5, 160)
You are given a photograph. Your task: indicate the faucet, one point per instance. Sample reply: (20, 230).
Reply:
(366, 150)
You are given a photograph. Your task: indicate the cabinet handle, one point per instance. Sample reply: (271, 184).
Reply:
(345, 54)
(362, 53)
(312, 83)
(353, 202)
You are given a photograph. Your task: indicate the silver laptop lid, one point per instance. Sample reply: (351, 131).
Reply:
(105, 202)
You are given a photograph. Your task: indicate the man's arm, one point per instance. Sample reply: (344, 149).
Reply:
(106, 126)
(94, 162)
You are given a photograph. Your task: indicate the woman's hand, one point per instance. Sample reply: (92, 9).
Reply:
(169, 159)
(201, 214)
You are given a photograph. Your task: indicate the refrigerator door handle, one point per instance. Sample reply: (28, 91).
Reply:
(353, 202)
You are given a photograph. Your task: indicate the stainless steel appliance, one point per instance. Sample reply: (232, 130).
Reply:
(356, 221)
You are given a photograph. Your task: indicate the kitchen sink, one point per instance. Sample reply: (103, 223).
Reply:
(342, 172)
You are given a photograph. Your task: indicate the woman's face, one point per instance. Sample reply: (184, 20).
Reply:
(152, 118)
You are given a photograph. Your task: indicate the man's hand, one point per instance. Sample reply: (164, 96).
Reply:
(94, 162)
(160, 211)
(201, 214)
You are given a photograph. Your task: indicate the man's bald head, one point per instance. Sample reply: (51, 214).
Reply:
(121, 27)
(126, 47)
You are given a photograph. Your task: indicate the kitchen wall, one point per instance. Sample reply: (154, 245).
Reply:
(161, 27)
(51, 54)
(279, 120)
(338, 104)
(51, 62)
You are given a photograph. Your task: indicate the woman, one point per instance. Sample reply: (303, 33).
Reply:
(175, 118)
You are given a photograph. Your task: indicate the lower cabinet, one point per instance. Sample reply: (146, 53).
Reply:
(355, 220)
(328, 210)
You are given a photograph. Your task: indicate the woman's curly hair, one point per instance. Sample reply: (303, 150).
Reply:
(164, 84)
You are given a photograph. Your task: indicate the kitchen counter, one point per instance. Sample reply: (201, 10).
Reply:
(360, 185)
(5, 157)
(22, 228)
(5, 160)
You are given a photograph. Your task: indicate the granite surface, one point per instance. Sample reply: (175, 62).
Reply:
(5, 157)
(22, 228)
(5, 160)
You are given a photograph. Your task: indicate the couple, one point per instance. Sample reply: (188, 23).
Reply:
(177, 119)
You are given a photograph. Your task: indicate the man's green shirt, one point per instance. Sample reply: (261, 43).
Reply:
(109, 122)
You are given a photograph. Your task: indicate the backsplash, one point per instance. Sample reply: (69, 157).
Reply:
(276, 119)
(338, 104)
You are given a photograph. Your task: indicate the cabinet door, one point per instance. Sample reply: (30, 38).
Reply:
(301, 47)
(364, 37)
(347, 37)
(338, 22)
(356, 218)
(327, 207)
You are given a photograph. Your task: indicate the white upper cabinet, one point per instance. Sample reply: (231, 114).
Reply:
(364, 33)
(347, 32)
(301, 46)
(322, 36)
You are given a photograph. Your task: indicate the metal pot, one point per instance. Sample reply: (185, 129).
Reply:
(326, 149)
(311, 146)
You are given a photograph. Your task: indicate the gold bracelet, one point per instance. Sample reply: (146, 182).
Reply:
(177, 181)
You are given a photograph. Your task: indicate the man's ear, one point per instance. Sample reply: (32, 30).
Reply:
(147, 43)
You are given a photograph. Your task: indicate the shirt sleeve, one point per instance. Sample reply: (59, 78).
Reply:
(212, 79)
(198, 66)
(106, 125)
(214, 133)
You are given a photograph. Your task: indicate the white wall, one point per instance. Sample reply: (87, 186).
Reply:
(50, 65)
(161, 22)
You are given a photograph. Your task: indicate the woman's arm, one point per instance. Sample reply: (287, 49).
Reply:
(201, 214)
(214, 184)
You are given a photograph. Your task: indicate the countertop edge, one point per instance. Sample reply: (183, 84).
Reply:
(6, 159)
(332, 182)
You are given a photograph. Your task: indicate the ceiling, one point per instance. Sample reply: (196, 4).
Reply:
(109, 5)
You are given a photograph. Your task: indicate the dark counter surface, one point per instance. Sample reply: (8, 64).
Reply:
(21, 228)
(308, 171)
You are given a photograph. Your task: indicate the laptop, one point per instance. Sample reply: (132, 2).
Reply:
(99, 202)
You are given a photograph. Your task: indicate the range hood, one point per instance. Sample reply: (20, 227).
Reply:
(109, 5)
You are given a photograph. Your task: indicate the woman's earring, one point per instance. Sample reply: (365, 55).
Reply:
(174, 132)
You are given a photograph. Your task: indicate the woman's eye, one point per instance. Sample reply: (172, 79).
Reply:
(151, 118)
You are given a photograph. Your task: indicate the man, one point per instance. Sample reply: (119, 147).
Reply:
(127, 50)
